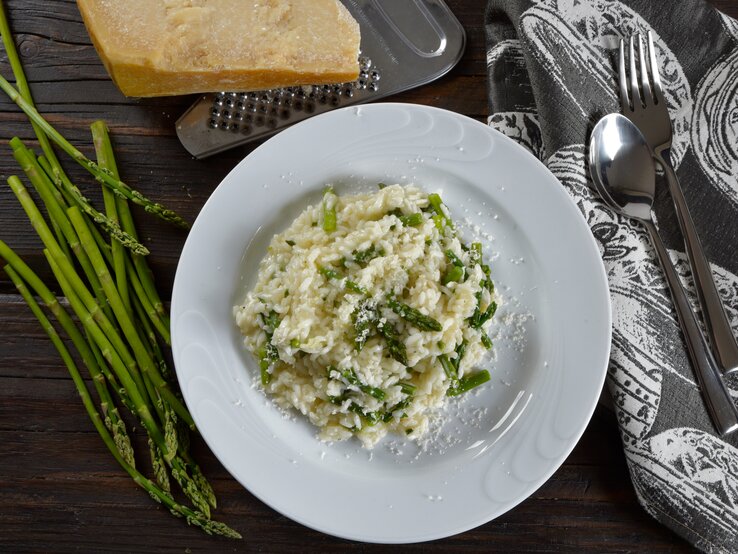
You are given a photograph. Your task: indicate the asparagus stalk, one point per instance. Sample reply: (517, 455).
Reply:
(91, 306)
(408, 388)
(448, 368)
(329, 210)
(109, 375)
(365, 317)
(349, 375)
(53, 176)
(58, 194)
(156, 352)
(468, 382)
(119, 187)
(150, 312)
(68, 237)
(143, 360)
(101, 135)
(413, 316)
(59, 199)
(134, 391)
(106, 160)
(363, 257)
(268, 354)
(62, 182)
(164, 441)
(329, 273)
(412, 220)
(395, 346)
(113, 420)
(193, 517)
(441, 210)
(455, 274)
(22, 84)
(25, 95)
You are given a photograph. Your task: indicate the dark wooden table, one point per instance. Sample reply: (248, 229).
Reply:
(60, 489)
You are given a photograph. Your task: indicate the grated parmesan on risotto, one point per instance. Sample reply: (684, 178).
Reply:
(368, 312)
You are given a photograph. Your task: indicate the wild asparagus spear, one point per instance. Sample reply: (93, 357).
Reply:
(119, 187)
(91, 305)
(163, 439)
(328, 212)
(349, 375)
(106, 160)
(161, 326)
(413, 316)
(441, 210)
(468, 382)
(329, 273)
(394, 344)
(57, 215)
(143, 360)
(101, 137)
(25, 94)
(113, 421)
(412, 220)
(193, 517)
(135, 392)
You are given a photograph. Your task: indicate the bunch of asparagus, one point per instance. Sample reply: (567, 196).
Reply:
(109, 287)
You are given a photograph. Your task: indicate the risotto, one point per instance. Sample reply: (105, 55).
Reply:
(368, 312)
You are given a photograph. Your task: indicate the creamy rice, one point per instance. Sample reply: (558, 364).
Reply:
(328, 304)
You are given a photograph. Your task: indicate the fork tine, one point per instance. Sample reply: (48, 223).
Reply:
(634, 92)
(623, 79)
(645, 85)
(657, 92)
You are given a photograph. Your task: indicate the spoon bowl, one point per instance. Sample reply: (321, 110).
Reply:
(622, 168)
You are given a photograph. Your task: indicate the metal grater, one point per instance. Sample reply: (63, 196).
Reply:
(403, 45)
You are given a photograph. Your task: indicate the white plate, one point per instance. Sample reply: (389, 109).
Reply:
(502, 441)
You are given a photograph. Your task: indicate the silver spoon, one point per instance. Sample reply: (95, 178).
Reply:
(624, 174)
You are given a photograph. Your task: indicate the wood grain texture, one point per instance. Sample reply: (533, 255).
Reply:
(61, 491)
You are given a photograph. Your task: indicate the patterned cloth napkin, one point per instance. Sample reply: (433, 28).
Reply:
(552, 75)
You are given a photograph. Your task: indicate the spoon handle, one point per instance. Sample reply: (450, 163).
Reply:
(713, 313)
(719, 403)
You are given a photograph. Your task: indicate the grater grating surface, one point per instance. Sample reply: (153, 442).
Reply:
(403, 45)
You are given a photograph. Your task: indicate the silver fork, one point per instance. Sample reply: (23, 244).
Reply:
(646, 108)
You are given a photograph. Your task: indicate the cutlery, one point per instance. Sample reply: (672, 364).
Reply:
(623, 172)
(646, 108)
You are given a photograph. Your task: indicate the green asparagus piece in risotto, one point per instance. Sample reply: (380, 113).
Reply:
(412, 220)
(329, 210)
(363, 257)
(454, 259)
(349, 375)
(268, 354)
(440, 208)
(454, 275)
(394, 344)
(448, 368)
(467, 383)
(486, 341)
(475, 253)
(413, 316)
(408, 388)
(329, 273)
(365, 319)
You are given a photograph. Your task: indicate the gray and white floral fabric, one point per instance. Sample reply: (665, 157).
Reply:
(552, 75)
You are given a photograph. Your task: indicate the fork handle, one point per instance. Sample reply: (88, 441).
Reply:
(719, 404)
(718, 327)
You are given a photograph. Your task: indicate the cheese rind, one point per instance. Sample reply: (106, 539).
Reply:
(169, 47)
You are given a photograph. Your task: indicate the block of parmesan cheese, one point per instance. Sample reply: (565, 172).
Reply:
(168, 47)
